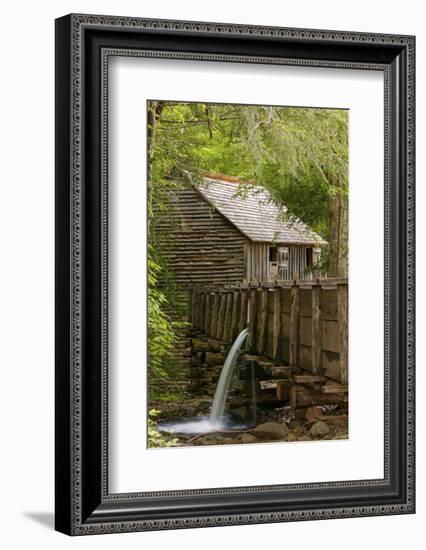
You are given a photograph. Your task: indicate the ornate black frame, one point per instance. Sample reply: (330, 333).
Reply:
(83, 46)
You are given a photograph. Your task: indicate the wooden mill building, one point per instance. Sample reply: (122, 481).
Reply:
(221, 233)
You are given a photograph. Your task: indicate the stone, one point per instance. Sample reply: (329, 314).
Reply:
(271, 431)
(247, 438)
(319, 429)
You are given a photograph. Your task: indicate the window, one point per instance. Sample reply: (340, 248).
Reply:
(272, 254)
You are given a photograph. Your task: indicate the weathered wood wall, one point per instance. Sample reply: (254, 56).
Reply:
(256, 261)
(297, 263)
(199, 244)
(258, 266)
(302, 323)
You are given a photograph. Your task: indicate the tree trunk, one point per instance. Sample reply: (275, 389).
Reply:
(155, 109)
(338, 240)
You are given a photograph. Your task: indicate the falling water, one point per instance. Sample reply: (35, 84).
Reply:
(214, 422)
(225, 378)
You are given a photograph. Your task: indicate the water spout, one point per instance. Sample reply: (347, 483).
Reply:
(216, 420)
(225, 378)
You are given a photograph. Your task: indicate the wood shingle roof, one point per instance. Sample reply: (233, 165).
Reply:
(255, 214)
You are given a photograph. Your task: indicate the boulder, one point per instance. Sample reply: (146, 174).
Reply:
(271, 431)
(247, 438)
(319, 429)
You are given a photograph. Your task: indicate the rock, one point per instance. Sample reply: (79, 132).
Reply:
(271, 431)
(319, 429)
(337, 421)
(247, 438)
(312, 413)
(214, 439)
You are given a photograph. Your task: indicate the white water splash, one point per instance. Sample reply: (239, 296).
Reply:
(215, 421)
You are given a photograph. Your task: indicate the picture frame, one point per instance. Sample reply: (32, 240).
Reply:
(84, 44)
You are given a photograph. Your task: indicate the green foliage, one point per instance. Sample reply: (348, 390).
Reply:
(299, 154)
(155, 438)
(161, 287)
(161, 336)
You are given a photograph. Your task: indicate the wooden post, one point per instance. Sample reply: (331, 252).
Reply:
(201, 306)
(215, 310)
(294, 324)
(190, 293)
(227, 322)
(293, 397)
(252, 318)
(221, 316)
(276, 321)
(194, 308)
(235, 314)
(207, 308)
(283, 348)
(262, 314)
(242, 322)
(342, 306)
(316, 329)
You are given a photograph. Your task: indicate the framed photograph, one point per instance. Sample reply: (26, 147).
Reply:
(234, 274)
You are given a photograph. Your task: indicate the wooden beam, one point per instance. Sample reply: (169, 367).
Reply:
(252, 318)
(342, 304)
(215, 311)
(207, 312)
(189, 308)
(334, 388)
(235, 314)
(262, 315)
(194, 307)
(276, 298)
(316, 330)
(201, 310)
(242, 322)
(221, 316)
(227, 322)
(294, 324)
(308, 378)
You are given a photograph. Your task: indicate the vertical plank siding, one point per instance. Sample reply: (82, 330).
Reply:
(301, 323)
(258, 268)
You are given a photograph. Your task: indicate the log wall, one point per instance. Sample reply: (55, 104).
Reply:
(301, 323)
(199, 244)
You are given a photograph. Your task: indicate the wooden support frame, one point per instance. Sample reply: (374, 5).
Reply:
(294, 325)
(316, 329)
(342, 300)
